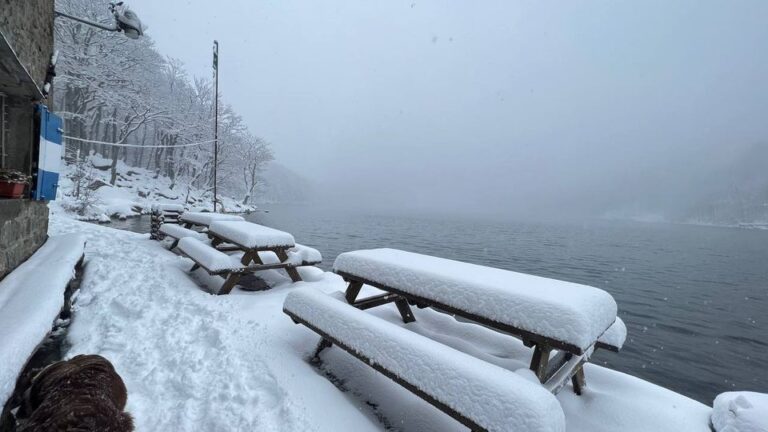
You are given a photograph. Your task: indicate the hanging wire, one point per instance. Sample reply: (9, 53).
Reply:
(136, 145)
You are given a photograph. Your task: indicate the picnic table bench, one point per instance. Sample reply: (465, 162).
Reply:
(546, 314)
(178, 232)
(480, 395)
(262, 248)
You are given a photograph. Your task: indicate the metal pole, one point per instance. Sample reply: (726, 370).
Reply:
(3, 132)
(215, 119)
(87, 22)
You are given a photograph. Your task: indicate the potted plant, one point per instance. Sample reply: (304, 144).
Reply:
(12, 183)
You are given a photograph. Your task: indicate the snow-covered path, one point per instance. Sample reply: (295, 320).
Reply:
(197, 362)
(193, 361)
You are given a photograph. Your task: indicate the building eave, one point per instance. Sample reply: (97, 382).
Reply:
(15, 79)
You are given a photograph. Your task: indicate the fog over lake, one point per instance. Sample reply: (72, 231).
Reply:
(498, 108)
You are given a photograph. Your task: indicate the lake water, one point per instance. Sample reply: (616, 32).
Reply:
(695, 299)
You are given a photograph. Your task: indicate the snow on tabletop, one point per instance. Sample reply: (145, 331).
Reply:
(207, 256)
(33, 294)
(179, 232)
(251, 235)
(616, 334)
(565, 311)
(206, 218)
(740, 412)
(304, 254)
(495, 398)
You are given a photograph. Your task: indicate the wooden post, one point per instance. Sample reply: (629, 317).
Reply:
(540, 360)
(352, 291)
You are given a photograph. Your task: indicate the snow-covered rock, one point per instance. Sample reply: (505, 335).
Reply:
(740, 412)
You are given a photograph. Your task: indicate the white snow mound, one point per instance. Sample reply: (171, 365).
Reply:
(740, 412)
(31, 298)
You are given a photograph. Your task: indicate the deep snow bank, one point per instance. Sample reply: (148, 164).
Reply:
(33, 294)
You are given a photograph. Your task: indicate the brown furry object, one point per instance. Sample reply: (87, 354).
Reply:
(81, 394)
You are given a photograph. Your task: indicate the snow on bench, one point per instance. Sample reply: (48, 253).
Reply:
(573, 315)
(480, 395)
(209, 258)
(179, 232)
(250, 235)
(33, 294)
(613, 338)
(206, 218)
(298, 255)
(301, 254)
(740, 411)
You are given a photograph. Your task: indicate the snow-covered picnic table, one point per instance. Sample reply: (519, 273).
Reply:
(546, 314)
(252, 240)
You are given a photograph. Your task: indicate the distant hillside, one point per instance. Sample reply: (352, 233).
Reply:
(733, 194)
(281, 185)
(738, 195)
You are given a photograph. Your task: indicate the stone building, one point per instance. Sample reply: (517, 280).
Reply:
(26, 47)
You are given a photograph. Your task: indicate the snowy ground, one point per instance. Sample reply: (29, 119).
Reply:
(197, 362)
(133, 194)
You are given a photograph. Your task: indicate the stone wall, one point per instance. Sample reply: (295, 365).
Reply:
(23, 229)
(28, 26)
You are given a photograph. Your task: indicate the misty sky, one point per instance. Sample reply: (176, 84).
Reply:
(505, 107)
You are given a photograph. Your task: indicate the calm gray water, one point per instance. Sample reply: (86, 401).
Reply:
(695, 299)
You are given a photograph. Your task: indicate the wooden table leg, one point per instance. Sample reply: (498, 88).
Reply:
(353, 290)
(405, 310)
(247, 258)
(230, 283)
(540, 360)
(579, 381)
(292, 272)
(324, 343)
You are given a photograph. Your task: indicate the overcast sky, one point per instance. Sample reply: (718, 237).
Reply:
(502, 106)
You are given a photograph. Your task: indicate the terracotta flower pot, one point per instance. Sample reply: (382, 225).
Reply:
(11, 189)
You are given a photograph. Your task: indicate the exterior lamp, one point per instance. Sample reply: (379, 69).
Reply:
(126, 21)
